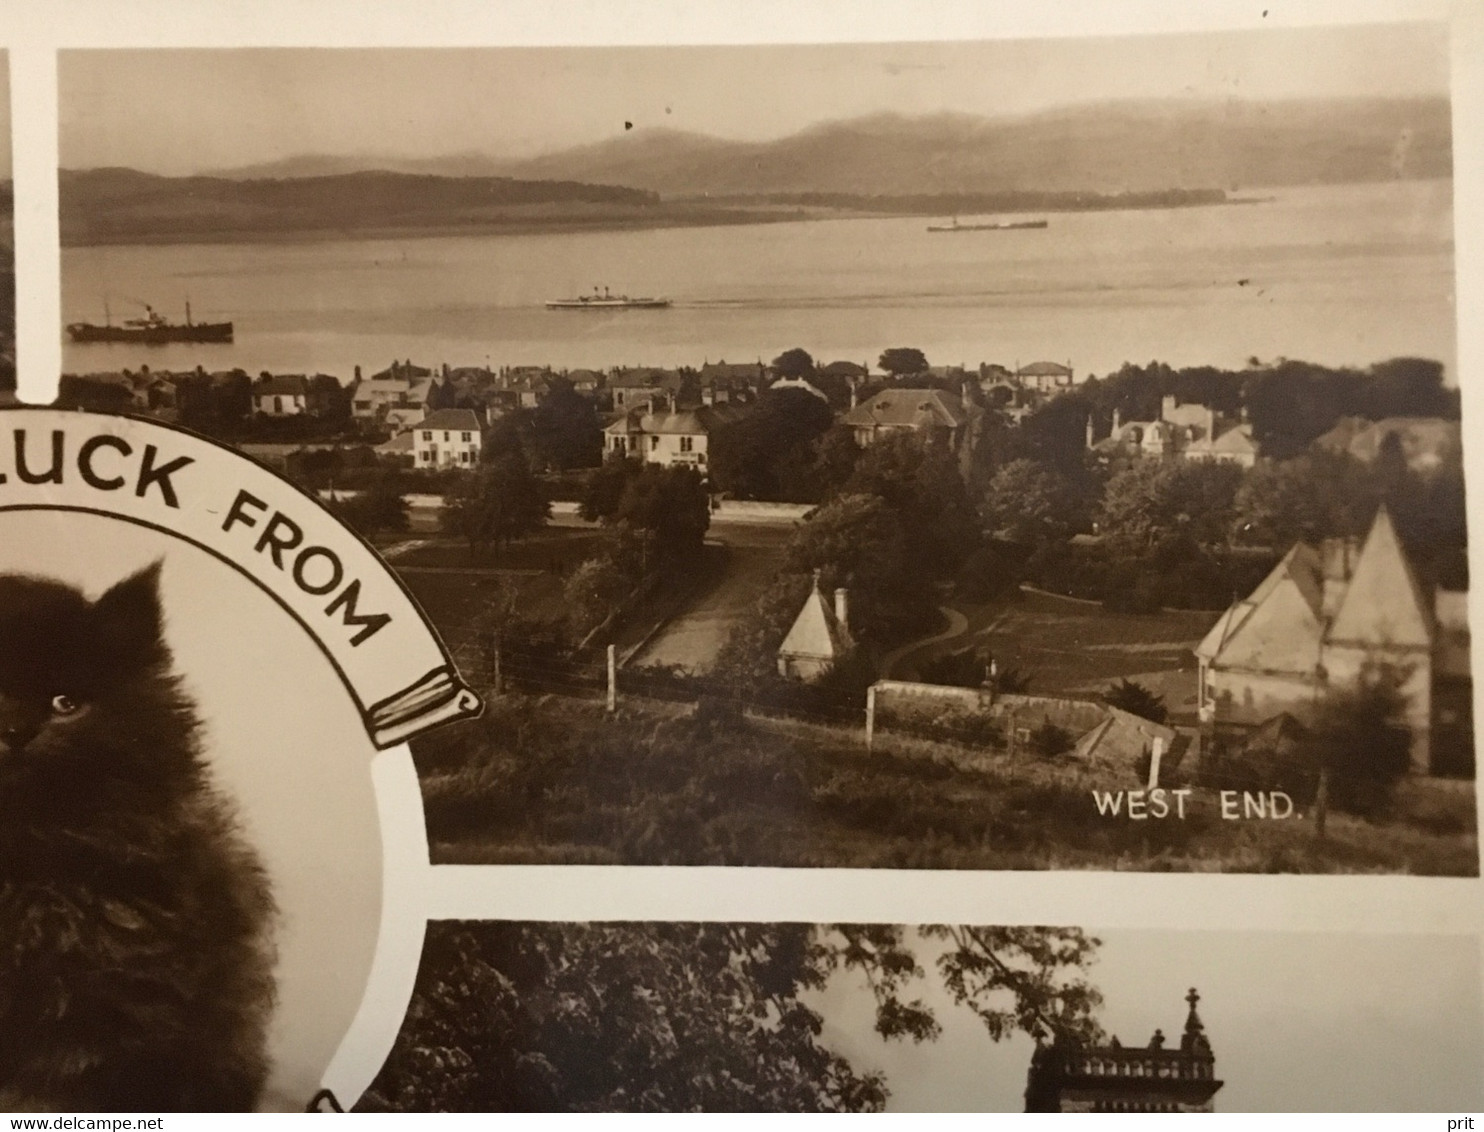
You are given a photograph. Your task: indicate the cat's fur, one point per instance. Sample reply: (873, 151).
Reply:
(135, 922)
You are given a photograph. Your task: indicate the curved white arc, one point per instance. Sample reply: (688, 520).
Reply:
(399, 942)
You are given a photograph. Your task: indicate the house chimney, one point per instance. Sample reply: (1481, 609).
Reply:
(445, 371)
(855, 395)
(842, 608)
(358, 373)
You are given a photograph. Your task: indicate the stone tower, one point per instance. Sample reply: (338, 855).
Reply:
(1067, 1075)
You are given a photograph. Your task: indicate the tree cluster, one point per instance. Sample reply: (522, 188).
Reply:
(700, 1017)
(499, 501)
(784, 448)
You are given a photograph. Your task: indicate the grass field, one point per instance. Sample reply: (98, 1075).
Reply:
(453, 600)
(559, 781)
(550, 548)
(1071, 646)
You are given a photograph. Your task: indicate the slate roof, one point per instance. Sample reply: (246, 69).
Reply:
(688, 422)
(751, 372)
(283, 384)
(902, 408)
(1321, 595)
(1044, 369)
(397, 445)
(403, 371)
(462, 420)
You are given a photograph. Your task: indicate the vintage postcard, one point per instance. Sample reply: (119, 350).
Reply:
(1046, 454)
(545, 576)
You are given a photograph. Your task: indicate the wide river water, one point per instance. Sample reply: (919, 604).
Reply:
(1346, 274)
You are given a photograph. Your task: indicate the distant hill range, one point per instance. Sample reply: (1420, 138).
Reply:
(100, 206)
(1109, 147)
(1131, 154)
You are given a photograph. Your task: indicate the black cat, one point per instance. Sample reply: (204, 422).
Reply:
(135, 922)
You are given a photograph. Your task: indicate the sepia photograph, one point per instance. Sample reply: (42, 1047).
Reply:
(790, 1017)
(189, 906)
(1013, 454)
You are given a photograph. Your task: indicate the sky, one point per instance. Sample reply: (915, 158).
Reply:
(1299, 1022)
(185, 111)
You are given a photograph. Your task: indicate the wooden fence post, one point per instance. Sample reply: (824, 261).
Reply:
(612, 678)
(1321, 803)
(1156, 751)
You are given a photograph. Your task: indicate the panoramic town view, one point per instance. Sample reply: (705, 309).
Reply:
(965, 470)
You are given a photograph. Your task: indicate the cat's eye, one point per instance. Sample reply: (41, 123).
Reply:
(64, 705)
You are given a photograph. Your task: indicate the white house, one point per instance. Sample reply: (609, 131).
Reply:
(448, 438)
(285, 395)
(1047, 377)
(670, 439)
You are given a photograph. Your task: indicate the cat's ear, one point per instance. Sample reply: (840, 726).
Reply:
(129, 617)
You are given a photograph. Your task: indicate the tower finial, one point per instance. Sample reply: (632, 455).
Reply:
(1194, 1038)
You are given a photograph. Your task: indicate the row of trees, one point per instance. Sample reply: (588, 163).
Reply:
(1206, 507)
(1288, 403)
(703, 1017)
(656, 520)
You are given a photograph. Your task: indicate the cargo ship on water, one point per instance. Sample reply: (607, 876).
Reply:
(992, 226)
(151, 328)
(605, 301)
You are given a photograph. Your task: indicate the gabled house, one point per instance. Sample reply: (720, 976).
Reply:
(853, 372)
(1324, 618)
(371, 397)
(585, 381)
(403, 371)
(643, 385)
(447, 438)
(665, 437)
(282, 395)
(819, 636)
(741, 378)
(931, 413)
(1182, 431)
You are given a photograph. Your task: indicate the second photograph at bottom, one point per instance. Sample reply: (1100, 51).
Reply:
(628, 1016)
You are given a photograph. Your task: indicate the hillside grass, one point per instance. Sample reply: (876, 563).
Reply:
(559, 781)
